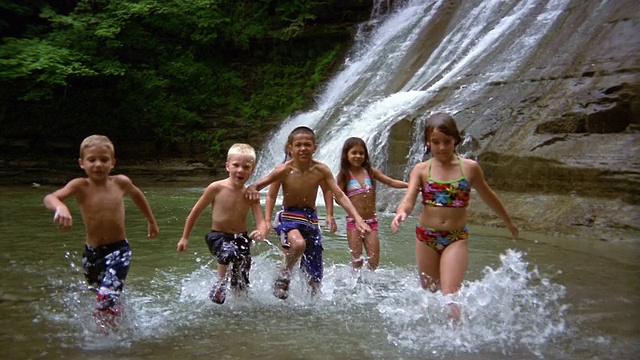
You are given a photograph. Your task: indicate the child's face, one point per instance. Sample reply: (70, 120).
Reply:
(240, 168)
(97, 162)
(441, 144)
(355, 155)
(302, 147)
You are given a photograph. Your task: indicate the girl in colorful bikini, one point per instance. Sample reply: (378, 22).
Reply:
(445, 181)
(357, 178)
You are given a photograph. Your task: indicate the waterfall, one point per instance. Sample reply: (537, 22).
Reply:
(416, 61)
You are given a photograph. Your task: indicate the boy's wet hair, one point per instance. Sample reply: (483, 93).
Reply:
(302, 129)
(96, 140)
(242, 149)
(445, 124)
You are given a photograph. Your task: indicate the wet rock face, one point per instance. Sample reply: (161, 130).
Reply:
(568, 121)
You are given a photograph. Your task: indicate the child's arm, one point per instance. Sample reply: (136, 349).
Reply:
(252, 192)
(207, 198)
(330, 221)
(141, 202)
(262, 228)
(55, 202)
(476, 178)
(380, 176)
(270, 203)
(409, 201)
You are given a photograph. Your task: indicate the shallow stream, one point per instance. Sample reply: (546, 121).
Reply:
(535, 297)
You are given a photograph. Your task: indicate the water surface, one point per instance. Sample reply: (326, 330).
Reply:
(535, 297)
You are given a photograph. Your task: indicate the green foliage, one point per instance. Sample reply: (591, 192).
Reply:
(152, 68)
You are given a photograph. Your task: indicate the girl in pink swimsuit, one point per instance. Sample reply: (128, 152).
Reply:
(445, 182)
(357, 179)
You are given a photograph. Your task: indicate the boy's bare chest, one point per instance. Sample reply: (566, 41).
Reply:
(231, 201)
(297, 178)
(110, 197)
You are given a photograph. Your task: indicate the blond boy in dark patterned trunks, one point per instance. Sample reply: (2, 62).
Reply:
(100, 196)
(228, 240)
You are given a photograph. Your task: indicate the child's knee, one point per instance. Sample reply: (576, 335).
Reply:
(297, 242)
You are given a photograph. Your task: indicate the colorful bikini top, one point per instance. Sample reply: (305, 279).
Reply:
(454, 193)
(355, 188)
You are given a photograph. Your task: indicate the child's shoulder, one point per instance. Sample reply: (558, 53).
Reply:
(121, 180)
(421, 165)
(77, 183)
(469, 162)
(320, 165)
(469, 166)
(217, 184)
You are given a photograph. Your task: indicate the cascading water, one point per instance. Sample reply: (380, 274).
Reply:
(412, 63)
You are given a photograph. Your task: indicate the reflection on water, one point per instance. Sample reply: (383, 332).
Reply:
(521, 299)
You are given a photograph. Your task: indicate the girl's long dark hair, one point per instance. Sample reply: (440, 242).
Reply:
(344, 174)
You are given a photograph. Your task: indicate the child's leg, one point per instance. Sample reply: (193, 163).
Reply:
(293, 253)
(453, 265)
(428, 262)
(240, 273)
(218, 293)
(222, 272)
(372, 246)
(107, 266)
(355, 248)
(311, 261)
(93, 266)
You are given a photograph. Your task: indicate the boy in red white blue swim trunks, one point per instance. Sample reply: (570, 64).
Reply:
(300, 179)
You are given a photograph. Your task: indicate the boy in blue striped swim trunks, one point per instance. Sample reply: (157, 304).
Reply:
(300, 236)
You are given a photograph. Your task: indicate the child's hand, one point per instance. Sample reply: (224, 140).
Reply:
(153, 230)
(513, 229)
(330, 222)
(399, 218)
(251, 193)
(362, 226)
(257, 235)
(182, 244)
(63, 218)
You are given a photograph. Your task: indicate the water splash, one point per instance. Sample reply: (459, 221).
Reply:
(511, 308)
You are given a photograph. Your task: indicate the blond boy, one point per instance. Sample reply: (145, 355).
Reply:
(228, 240)
(100, 196)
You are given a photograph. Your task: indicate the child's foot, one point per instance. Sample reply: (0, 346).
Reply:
(105, 302)
(281, 287)
(454, 314)
(239, 289)
(107, 319)
(314, 287)
(238, 285)
(218, 293)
